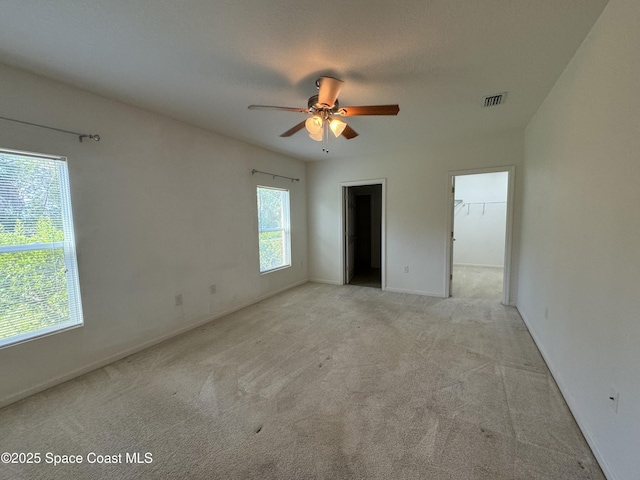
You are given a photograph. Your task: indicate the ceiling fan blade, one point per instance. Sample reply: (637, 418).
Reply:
(369, 110)
(293, 130)
(349, 133)
(329, 90)
(284, 109)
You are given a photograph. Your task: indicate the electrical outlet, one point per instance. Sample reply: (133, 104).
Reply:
(406, 269)
(614, 396)
(178, 300)
(212, 289)
(546, 312)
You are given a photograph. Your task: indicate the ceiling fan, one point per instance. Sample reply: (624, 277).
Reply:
(325, 112)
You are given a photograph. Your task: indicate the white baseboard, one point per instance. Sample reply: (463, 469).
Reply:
(322, 280)
(415, 292)
(268, 295)
(386, 289)
(138, 348)
(477, 265)
(606, 468)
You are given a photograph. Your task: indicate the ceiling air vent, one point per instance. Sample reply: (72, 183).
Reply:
(493, 100)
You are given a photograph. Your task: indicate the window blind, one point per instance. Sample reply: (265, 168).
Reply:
(274, 232)
(39, 287)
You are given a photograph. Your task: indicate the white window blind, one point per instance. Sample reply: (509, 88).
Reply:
(39, 287)
(274, 232)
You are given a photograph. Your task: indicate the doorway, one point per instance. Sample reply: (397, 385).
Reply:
(363, 225)
(479, 245)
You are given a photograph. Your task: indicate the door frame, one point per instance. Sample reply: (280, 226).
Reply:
(506, 285)
(383, 227)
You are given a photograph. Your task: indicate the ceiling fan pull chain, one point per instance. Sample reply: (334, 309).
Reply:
(325, 136)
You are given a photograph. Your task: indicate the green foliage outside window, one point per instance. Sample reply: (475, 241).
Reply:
(271, 250)
(273, 228)
(34, 284)
(34, 294)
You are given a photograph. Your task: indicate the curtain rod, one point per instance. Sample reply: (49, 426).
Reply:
(275, 175)
(80, 136)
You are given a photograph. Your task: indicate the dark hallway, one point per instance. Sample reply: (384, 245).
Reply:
(368, 213)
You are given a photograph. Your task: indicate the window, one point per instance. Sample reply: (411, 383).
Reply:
(39, 289)
(274, 235)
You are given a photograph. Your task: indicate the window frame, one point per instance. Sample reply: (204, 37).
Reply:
(68, 246)
(286, 229)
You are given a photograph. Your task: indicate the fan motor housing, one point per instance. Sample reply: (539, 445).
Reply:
(317, 107)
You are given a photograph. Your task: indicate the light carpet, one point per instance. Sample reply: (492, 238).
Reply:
(477, 282)
(319, 382)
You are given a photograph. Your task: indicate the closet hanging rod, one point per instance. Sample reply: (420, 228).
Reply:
(80, 136)
(254, 171)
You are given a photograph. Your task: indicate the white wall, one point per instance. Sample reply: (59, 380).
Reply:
(480, 222)
(416, 209)
(160, 208)
(580, 252)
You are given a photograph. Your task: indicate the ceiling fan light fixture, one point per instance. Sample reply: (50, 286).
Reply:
(314, 125)
(316, 136)
(337, 126)
(325, 113)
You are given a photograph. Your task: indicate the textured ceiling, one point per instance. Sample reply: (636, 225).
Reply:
(205, 61)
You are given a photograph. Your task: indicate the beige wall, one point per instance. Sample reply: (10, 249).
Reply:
(580, 253)
(416, 208)
(160, 208)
